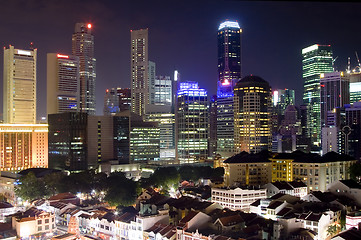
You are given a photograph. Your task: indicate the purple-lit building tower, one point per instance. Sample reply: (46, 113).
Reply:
(229, 73)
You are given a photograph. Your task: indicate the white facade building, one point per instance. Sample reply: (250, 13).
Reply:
(237, 199)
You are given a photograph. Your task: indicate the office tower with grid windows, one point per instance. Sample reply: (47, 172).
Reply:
(63, 86)
(83, 47)
(317, 59)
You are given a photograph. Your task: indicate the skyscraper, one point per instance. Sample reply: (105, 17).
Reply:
(317, 59)
(139, 70)
(19, 85)
(229, 73)
(83, 47)
(111, 102)
(192, 123)
(124, 95)
(23, 144)
(252, 111)
(63, 86)
(335, 93)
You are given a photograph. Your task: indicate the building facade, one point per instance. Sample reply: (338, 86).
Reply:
(23, 146)
(83, 47)
(229, 73)
(192, 123)
(139, 71)
(19, 86)
(252, 111)
(317, 59)
(111, 102)
(335, 93)
(63, 86)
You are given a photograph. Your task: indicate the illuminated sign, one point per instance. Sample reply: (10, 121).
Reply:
(275, 98)
(62, 56)
(226, 82)
(229, 24)
(309, 49)
(191, 89)
(23, 52)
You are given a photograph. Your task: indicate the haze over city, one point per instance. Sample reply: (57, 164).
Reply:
(183, 36)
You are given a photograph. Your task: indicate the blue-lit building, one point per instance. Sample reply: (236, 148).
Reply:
(192, 123)
(229, 73)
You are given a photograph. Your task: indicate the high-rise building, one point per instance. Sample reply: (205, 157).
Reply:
(78, 141)
(162, 91)
(335, 93)
(281, 98)
(212, 137)
(229, 73)
(144, 141)
(353, 130)
(139, 71)
(23, 144)
(355, 87)
(125, 98)
(111, 102)
(317, 59)
(19, 86)
(63, 85)
(121, 142)
(252, 111)
(83, 47)
(192, 123)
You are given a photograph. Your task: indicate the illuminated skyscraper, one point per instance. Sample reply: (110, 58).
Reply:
(83, 47)
(192, 123)
(252, 111)
(111, 102)
(139, 70)
(282, 98)
(229, 73)
(62, 83)
(317, 59)
(125, 98)
(19, 86)
(335, 93)
(23, 144)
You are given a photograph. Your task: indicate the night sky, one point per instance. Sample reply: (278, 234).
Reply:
(183, 35)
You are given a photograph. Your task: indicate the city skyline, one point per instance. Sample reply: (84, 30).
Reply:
(272, 40)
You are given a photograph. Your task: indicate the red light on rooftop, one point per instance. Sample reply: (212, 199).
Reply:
(322, 85)
(89, 25)
(62, 56)
(107, 90)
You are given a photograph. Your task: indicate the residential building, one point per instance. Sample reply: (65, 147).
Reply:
(83, 47)
(19, 86)
(33, 222)
(317, 60)
(229, 73)
(346, 187)
(63, 86)
(293, 188)
(252, 111)
(139, 71)
(192, 123)
(248, 169)
(281, 169)
(237, 198)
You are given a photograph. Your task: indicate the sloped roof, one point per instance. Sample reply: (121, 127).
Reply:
(351, 234)
(5, 205)
(62, 196)
(245, 157)
(231, 220)
(351, 183)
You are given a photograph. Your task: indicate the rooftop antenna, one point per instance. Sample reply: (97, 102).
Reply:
(348, 66)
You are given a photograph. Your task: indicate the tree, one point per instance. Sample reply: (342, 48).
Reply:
(30, 188)
(121, 190)
(355, 172)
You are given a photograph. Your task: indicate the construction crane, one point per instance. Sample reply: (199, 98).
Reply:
(359, 64)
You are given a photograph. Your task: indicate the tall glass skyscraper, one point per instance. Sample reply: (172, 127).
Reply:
(83, 47)
(192, 123)
(229, 73)
(317, 59)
